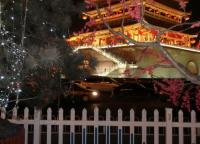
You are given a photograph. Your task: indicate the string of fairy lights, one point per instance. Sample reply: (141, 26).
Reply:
(10, 74)
(10, 78)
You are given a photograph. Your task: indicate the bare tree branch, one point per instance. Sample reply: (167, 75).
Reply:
(191, 77)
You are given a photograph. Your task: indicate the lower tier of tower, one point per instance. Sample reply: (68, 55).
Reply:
(140, 62)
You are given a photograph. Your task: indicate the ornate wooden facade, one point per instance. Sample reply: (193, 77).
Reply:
(115, 56)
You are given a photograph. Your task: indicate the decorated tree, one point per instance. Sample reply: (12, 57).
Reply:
(178, 90)
(34, 53)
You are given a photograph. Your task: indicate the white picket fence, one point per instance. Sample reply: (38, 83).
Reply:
(144, 124)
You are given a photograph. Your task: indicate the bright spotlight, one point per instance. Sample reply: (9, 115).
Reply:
(94, 93)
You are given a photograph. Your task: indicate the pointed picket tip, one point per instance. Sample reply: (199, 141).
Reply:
(144, 115)
(84, 114)
(72, 114)
(36, 110)
(96, 109)
(156, 112)
(49, 110)
(180, 116)
(84, 110)
(26, 113)
(144, 110)
(61, 110)
(193, 112)
(108, 114)
(180, 112)
(60, 113)
(96, 114)
(132, 111)
(72, 110)
(156, 115)
(14, 109)
(3, 113)
(26, 109)
(193, 116)
(120, 114)
(108, 111)
(132, 115)
(168, 110)
(14, 113)
(119, 109)
(49, 114)
(37, 114)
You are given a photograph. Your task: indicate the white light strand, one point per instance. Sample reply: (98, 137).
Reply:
(15, 55)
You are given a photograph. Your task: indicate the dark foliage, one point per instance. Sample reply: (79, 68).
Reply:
(48, 23)
(45, 18)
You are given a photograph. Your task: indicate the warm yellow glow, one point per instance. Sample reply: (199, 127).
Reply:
(95, 94)
(135, 32)
(84, 17)
(193, 41)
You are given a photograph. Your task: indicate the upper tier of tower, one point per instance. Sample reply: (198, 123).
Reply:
(155, 10)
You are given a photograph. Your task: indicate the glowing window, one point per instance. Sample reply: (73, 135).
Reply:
(192, 67)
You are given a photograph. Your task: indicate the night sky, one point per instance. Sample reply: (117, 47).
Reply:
(194, 7)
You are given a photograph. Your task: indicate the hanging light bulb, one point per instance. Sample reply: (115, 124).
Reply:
(2, 77)
(12, 18)
(51, 30)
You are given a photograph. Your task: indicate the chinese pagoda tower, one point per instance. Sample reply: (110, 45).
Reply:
(116, 58)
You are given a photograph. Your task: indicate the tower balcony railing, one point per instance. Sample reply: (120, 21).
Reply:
(105, 39)
(109, 56)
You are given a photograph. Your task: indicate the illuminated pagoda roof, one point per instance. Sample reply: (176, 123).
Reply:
(154, 10)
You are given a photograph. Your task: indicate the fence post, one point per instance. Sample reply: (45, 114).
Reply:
(84, 128)
(193, 128)
(107, 126)
(144, 127)
(26, 114)
(14, 113)
(49, 118)
(119, 133)
(3, 113)
(156, 131)
(132, 119)
(72, 127)
(96, 127)
(36, 134)
(180, 129)
(60, 134)
(168, 113)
